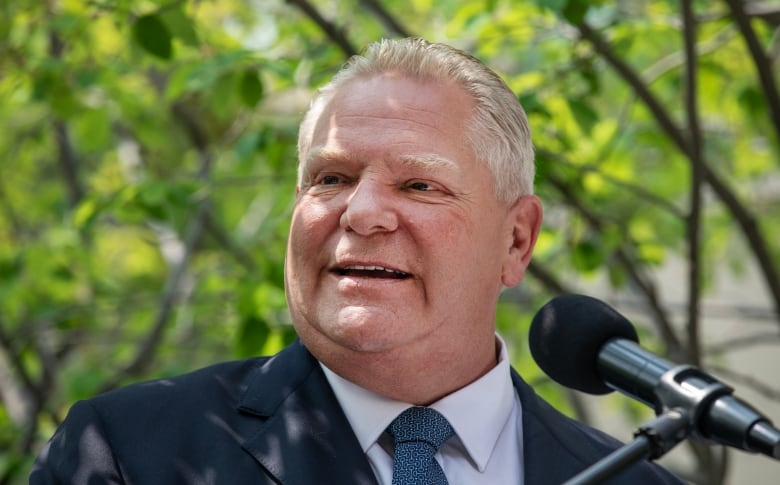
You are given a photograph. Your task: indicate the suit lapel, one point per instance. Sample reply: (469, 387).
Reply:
(304, 437)
(547, 442)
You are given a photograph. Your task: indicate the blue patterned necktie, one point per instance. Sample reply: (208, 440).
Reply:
(418, 433)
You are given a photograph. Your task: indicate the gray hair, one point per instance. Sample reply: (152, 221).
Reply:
(498, 131)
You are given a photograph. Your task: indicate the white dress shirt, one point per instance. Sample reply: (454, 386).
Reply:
(488, 444)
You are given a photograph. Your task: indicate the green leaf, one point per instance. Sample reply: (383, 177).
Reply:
(590, 76)
(618, 276)
(575, 11)
(554, 5)
(753, 100)
(10, 265)
(531, 104)
(151, 33)
(223, 96)
(248, 144)
(86, 213)
(250, 88)
(585, 115)
(587, 256)
(181, 26)
(152, 198)
(92, 130)
(50, 84)
(253, 332)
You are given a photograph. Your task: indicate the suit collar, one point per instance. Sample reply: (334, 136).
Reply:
(553, 448)
(275, 379)
(304, 436)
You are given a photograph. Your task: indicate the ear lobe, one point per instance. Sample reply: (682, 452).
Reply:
(524, 221)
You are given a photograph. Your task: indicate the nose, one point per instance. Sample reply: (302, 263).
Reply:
(370, 209)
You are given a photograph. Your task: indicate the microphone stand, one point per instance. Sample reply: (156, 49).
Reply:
(680, 413)
(651, 441)
(678, 408)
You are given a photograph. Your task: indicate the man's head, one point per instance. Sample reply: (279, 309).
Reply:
(400, 242)
(498, 129)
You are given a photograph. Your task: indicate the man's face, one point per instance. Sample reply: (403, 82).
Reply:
(397, 237)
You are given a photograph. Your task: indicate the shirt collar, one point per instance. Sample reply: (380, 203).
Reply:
(477, 412)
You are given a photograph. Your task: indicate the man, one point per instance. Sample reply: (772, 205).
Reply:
(414, 208)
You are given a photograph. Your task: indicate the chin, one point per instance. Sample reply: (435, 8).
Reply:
(362, 336)
(360, 331)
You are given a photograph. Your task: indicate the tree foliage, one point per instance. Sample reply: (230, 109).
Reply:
(148, 170)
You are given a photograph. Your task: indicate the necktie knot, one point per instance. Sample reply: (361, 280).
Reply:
(418, 433)
(421, 424)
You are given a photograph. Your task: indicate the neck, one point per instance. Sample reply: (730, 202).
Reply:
(419, 376)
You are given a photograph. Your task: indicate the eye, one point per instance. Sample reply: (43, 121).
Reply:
(426, 189)
(329, 180)
(420, 186)
(325, 183)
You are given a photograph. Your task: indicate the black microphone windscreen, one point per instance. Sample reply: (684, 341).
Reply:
(567, 334)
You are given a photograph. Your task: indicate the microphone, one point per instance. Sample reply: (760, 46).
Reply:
(583, 343)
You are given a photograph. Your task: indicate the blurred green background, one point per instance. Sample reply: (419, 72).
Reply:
(147, 168)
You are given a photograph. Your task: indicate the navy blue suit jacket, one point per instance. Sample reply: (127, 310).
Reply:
(265, 421)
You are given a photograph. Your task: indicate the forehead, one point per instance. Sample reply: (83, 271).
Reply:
(425, 161)
(396, 113)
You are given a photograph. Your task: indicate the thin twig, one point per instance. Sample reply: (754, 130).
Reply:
(642, 282)
(761, 61)
(637, 191)
(547, 279)
(757, 385)
(333, 32)
(738, 343)
(223, 238)
(193, 234)
(695, 151)
(742, 216)
(388, 20)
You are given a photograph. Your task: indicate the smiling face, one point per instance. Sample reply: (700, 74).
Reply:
(398, 243)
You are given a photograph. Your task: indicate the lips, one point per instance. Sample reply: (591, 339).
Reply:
(370, 271)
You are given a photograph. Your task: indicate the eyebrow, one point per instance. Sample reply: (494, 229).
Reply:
(427, 161)
(414, 160)
(326, 154)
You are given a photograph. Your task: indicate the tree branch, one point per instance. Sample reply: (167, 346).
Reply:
(68, 163)
(548, 279)
(744, 218)
(192, 237)
(391, 23)
(31, 394)
(734, 344)
(695, 150)
(648, 289)
(223, 238)
(675, 60)
(631, 77)
(760, 60)
(8, 211)
(757, 385)
(333, 32)
(16, 362)
(66, 157)
(637, 191)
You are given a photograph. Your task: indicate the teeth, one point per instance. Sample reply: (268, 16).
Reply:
(358, 267)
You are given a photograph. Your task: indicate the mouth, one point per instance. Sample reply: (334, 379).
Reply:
(370, 271)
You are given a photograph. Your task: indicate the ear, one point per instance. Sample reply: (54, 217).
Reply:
(524, 220)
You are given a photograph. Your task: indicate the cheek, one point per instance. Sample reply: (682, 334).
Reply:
(311, 224)
(463, 249)
(309, 231)
(444, 241)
